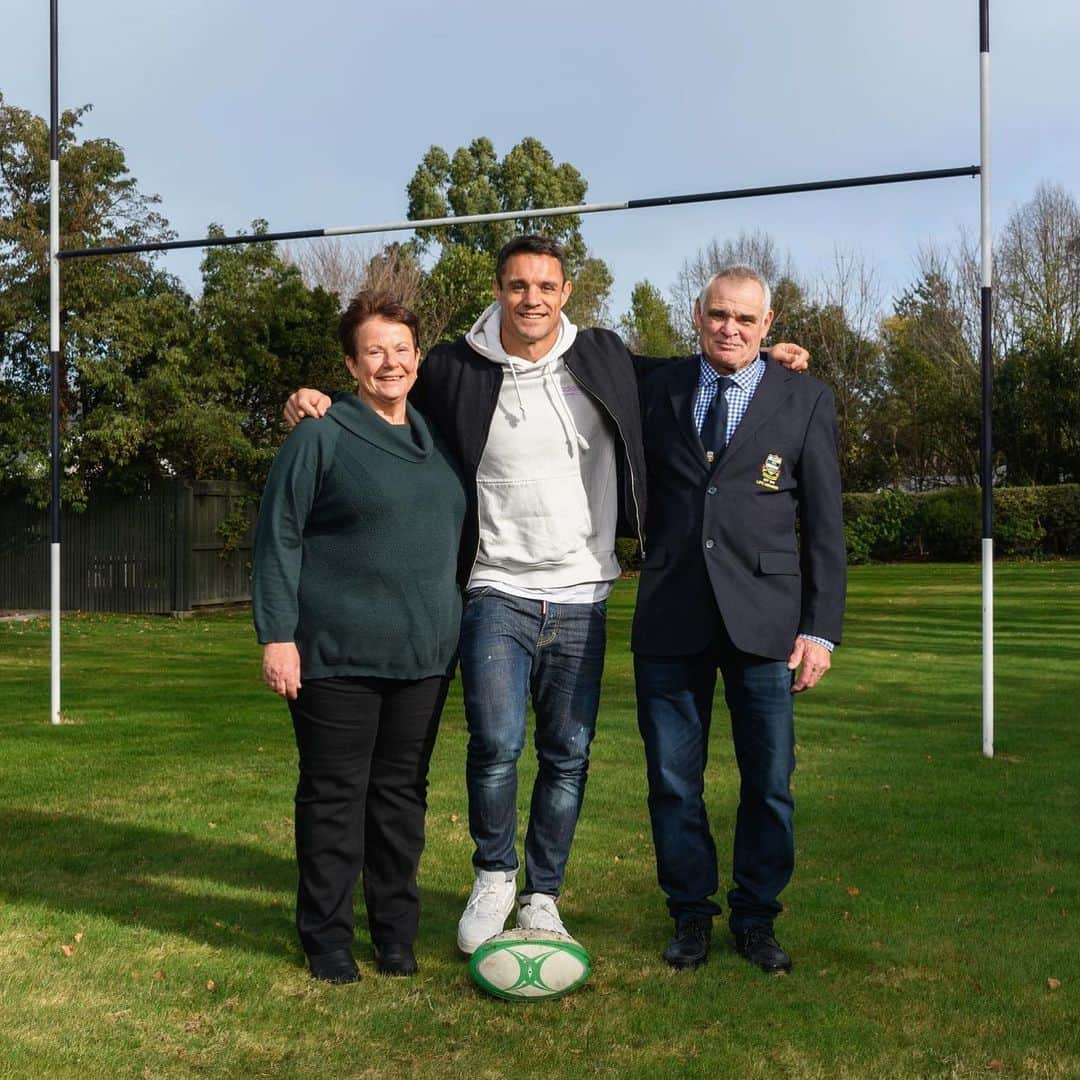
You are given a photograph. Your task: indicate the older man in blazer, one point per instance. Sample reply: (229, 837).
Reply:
(744, 576)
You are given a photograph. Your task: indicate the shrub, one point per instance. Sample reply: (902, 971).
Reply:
(628, 552)
(876, 524)
(1017, 525)
(946, 525)
(1061, 519)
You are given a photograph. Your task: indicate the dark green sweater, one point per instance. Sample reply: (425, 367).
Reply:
(356, 547)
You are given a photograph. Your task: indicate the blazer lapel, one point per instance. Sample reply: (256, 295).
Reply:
(682, 391)
(770, 392)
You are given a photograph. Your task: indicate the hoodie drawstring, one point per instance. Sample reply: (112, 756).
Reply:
(517, 385)
(485, 339)
(562, 411)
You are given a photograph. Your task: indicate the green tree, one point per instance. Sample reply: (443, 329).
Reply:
(260, 333)
(154, 383)
(588, 303)
(839, 326)
(1036, 384)
(1037, 411)
(931, 415)
(458, 289)
(120, 316)
(647, 327)
(1038, 268)
(475, 181)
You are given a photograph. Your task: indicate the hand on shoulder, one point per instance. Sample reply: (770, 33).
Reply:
(794, 357)
(303, 403)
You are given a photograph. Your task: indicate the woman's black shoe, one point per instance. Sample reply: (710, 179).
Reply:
(396, 959)
(334, 967)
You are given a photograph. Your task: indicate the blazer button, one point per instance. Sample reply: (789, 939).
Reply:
(711, 489)
(708, 543)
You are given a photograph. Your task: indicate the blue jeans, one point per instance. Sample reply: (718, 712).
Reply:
(511, 649)
(675, 698)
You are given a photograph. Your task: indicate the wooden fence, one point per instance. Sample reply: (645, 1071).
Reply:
(158, 551)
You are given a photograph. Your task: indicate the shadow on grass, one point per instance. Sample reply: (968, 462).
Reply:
(224, 895)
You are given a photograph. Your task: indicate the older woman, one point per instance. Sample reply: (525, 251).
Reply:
(357, 609)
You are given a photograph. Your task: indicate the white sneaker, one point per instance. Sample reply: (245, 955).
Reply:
(485, 914)
(539, 912)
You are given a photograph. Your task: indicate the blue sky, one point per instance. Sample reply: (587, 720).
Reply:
(316, 114)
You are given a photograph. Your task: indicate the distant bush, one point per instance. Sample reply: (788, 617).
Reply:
(628, 552)
(876, 524)
(947, 525)
(944, 526)
(1060, 517)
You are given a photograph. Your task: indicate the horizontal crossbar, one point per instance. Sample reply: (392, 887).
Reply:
(524, 215)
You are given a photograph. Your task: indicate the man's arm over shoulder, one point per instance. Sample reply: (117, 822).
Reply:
(644, 366)
(784, 353)
(821, 521)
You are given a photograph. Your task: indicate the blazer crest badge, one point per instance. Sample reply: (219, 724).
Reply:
(770, 472)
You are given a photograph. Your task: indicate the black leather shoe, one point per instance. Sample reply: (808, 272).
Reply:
(690, 946)
(334, 967)
(759, 946)
(396, 959)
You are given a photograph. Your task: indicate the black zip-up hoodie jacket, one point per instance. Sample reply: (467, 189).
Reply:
(457, 390)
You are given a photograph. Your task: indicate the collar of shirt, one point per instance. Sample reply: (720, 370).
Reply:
(746, 379)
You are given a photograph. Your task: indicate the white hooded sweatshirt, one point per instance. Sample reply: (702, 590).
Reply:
(546, 486)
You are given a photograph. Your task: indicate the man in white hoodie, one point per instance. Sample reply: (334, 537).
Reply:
(534, 621)
(545, 421)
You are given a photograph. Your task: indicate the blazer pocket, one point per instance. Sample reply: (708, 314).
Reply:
(655, 557)
(778, 562)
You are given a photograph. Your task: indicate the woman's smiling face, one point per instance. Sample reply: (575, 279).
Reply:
(384, 365)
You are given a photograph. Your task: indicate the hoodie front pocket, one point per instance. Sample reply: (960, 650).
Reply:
(531, 523)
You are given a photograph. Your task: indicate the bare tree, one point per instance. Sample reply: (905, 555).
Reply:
(950, 316)
(839, 323)
(1038, 261)
(395, 270)
(334, 263)
(931, 414)
(1037, 379)
(756, 249)
(853, 288)
(344, 268)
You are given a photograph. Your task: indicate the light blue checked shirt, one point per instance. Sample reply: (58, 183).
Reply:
(739, 389)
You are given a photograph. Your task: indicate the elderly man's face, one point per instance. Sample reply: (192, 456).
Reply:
(532, 293)
(733, 323)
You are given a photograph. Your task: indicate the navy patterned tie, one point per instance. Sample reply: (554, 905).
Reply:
(714, 426)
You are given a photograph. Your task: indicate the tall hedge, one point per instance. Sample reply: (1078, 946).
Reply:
(944, 526)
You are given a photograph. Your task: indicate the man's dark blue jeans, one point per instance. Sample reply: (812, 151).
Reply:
(513, 648)
(675, 698)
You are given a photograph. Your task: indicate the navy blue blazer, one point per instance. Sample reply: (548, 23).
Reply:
(721, 541)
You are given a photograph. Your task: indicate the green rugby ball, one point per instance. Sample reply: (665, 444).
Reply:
(529, 965)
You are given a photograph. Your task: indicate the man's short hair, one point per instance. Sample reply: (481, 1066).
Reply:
(529, 244)
(371, 304)
(736, 272)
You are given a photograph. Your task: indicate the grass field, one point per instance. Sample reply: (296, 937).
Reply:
(146, 873)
